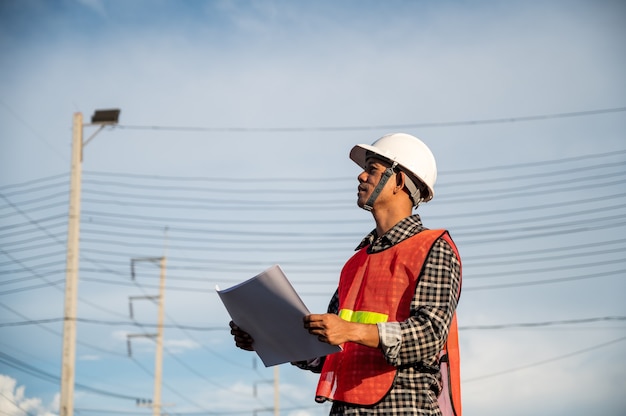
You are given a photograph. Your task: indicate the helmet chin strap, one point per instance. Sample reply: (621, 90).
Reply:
(388, 173)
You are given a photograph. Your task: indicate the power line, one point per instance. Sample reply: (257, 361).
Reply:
(168, 386)
(306, 221)
(44, 321)
(43, 198)
(483, 229)
(34, 257)
(543, 324)
(43, 375)
(94, 220)
(620, 250)
(36, 181)
(503, 258)
(53, 284)
(350, 180)
(111, 323)
(525, 176)
(476, 122)
(39, 208)
(549, 250)
(41, 220)
(32, 287)
(56, 333)
(582, 228)
(17, 406)
(318, 203)
(537, 163)
(30, 220)
(259, 204)
(46, 187)
(467, 238)
(490, 191)
(541, 282)
(544, 362)
(226, 328)
(534, 271)
(525, 194)
(613, 273)
(171, 354)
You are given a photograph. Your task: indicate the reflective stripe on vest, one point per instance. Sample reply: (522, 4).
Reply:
(363, 317)
(372, 286)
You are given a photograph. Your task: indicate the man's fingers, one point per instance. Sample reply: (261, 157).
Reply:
(243, 340)
(313, 321)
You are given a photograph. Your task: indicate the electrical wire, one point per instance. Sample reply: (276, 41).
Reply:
(612, 273)
(508, 191)
(542, 324)
(477, 122)
(43, 375)
(543, 362)
(17, 406)
(226, 328)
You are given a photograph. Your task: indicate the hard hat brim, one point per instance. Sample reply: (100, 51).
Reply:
(359, 152)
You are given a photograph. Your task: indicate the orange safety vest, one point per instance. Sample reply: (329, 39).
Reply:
(374, 288)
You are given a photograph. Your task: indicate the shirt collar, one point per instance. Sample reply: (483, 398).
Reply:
(404, 229)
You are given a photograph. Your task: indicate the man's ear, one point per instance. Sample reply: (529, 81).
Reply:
(399, 181)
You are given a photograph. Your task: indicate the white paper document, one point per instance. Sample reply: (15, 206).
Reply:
(269, 309)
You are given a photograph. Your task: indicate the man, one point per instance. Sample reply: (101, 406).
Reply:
(396, 301)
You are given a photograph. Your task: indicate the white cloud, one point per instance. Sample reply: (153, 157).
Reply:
(120, 335)
(142, 344)
(89, 357)
(14, 402)
(180, 345)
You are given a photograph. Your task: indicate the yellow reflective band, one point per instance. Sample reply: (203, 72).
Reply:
(363, 317)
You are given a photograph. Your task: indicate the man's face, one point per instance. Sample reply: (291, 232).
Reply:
(369, 178)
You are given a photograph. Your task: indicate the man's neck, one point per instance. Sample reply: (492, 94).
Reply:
(387, 219)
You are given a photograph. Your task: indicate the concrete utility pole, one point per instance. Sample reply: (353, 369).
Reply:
(157, 404)
(102, 118)
(158, 356)
(276, 392)
(71, 272)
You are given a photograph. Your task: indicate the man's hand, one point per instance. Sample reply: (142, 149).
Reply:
(243, 340)
(333, 330)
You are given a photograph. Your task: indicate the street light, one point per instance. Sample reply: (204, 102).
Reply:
(100, 118)
(106, 117)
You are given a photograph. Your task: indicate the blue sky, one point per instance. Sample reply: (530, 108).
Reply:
(237, 119)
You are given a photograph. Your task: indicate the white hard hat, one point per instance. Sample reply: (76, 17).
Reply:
(410, 153)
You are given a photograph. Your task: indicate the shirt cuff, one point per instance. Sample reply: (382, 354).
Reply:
(314, 364)
(390, 334)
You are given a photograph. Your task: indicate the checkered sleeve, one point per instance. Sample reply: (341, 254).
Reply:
(419, 339)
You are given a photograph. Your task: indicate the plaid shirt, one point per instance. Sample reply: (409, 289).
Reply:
(412, 346)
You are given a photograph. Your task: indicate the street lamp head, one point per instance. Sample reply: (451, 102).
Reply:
(105, 117)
